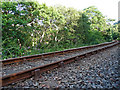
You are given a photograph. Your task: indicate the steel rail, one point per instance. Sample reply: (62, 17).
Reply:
(20, 59)
(31, 72)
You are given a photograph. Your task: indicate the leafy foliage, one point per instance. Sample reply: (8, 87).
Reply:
(30, 28)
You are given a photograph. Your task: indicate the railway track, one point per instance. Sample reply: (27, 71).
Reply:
(25, 67)
(28, 64)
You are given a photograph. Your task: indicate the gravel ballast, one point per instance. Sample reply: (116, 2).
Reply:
(100, 70)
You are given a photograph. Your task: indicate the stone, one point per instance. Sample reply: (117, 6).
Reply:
(35, 84)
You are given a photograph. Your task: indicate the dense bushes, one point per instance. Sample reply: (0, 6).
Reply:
(30, 28)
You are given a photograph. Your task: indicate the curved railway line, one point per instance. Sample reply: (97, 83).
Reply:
(25, 67)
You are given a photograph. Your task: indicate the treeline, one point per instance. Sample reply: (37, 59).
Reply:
(30, 28)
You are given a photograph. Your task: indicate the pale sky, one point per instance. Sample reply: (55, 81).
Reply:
(108, 8)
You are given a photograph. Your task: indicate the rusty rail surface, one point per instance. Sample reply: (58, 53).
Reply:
(20, 59)
(38, 70)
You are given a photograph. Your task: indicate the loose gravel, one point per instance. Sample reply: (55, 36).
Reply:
(26, 65)
(96, 71)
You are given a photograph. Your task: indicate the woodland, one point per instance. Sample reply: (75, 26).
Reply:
(30, 28)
